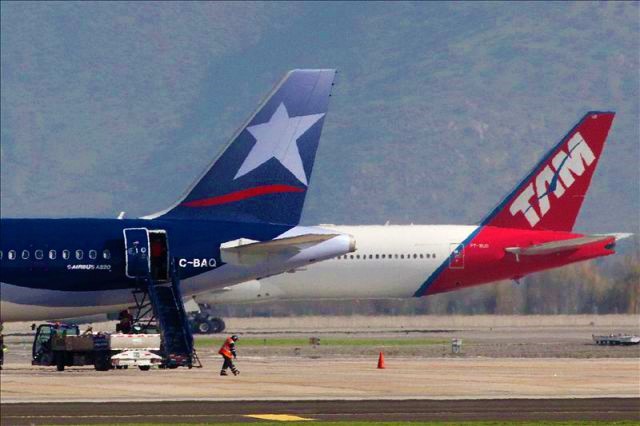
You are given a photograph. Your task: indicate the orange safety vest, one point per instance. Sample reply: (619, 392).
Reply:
(225, 349)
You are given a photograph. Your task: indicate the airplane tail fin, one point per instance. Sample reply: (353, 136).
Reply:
(550, 197)
(262, 175)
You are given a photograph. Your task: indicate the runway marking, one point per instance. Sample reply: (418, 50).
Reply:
(277, 417)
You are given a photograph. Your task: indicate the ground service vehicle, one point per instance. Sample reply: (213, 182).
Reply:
(62, 345)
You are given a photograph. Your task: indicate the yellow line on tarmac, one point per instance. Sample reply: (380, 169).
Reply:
(277, 417)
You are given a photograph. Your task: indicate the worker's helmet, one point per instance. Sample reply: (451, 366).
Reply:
(235, 337)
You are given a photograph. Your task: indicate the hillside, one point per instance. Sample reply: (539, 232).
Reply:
(439, 108)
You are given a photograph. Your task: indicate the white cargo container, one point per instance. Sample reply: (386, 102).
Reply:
(121, 341)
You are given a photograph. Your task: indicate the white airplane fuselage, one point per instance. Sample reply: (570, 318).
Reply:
(400, 261)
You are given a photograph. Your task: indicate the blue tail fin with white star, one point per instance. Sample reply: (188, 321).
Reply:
(263, 174)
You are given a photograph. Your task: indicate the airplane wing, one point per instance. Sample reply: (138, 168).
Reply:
(563, 245)
(259, 252)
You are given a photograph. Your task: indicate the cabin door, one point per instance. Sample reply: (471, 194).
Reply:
(138, 261)
(159, 255)
(456, 261)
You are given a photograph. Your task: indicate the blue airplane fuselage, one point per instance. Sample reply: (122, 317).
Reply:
(187, 240)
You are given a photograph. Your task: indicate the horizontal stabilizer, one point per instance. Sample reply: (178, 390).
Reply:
(618, 236)
(261, 252)
(559, 246)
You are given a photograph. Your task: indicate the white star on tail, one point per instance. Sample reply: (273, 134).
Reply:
(277, 139)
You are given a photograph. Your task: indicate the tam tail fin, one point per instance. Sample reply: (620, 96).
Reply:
(263, 174)
(550, 197)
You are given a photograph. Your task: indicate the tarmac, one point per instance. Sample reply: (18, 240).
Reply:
(514, 368)
(305, 378)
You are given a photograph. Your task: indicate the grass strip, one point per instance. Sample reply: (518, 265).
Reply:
(331, 342)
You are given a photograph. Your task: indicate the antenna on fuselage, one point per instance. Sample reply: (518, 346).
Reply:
(121, 215)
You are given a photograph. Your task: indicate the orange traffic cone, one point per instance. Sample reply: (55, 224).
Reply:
(381, 360)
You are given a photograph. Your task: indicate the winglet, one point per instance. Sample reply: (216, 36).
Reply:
(618, 235)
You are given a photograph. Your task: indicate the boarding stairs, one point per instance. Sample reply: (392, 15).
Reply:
(171, 318)
(159, 305)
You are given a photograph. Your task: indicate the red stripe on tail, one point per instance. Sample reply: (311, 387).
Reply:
(242, 195)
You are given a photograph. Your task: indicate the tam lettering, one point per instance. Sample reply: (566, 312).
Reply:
(534, 202)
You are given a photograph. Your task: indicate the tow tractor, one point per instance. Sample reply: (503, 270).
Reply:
(62, 345)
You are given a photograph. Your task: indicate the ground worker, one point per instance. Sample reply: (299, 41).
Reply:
(126, 322)
(158, 260)
(228, 350)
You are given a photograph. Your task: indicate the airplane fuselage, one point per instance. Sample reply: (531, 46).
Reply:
(55, 268)
(412, 261)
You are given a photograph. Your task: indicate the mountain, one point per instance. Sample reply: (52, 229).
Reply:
(439, 108)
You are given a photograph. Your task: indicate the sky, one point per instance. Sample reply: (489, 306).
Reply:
(439, 108)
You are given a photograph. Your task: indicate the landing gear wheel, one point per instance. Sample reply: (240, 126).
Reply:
(217, 325)
(204, 327)
(144, 367)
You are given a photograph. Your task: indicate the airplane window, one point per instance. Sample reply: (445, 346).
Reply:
(93, 254)
(428, 255)
(106, 254)
(370, 256)
(377, 256)
(357, 256)
(383, 256)
(52, 254)
(402, 256)
(66, 254)
(396, 256)
(79, 254)
(11, 254)
(351, 256)
(421, 256)
(39, 254)
(415, 256)
(25, 254)
(433, 255)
